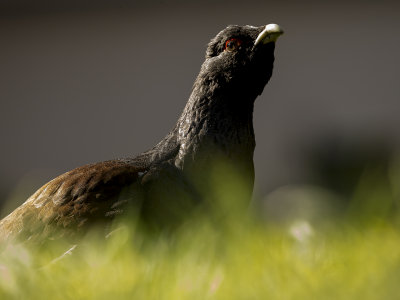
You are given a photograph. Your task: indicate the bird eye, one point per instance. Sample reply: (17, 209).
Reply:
(232, 44)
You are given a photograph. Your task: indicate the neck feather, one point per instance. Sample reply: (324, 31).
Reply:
(215, 123)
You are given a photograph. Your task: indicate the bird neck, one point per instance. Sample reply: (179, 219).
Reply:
(216, 123)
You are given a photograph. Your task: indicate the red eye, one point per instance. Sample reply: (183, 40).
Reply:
(232, 44)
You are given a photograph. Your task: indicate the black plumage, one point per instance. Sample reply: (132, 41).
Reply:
(166, 181)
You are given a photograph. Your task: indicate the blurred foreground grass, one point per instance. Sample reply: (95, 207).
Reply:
(237, 256)
(246, 261)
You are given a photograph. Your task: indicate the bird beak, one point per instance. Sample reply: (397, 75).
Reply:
(269, 34)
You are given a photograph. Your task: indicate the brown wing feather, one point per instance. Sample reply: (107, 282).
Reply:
(69, 203)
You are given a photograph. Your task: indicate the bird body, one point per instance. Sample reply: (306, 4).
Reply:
(164, 182)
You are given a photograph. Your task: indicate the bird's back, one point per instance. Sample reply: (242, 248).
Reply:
(70, 203)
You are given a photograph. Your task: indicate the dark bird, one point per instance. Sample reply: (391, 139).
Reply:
(167, 180)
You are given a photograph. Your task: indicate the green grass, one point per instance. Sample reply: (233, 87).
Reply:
(238, 256)
(244, 261)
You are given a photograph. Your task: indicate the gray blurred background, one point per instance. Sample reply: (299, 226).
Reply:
(86, 81)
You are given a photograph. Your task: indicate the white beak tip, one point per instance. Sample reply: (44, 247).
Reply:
(274, 28)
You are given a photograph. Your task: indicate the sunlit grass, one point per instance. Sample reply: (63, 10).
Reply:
(232, 255)
(248, 261)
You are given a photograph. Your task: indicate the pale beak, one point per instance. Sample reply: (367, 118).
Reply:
(269, 34)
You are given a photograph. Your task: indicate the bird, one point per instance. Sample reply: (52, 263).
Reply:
(168, 180)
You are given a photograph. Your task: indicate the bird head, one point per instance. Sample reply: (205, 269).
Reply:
(239, 60)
